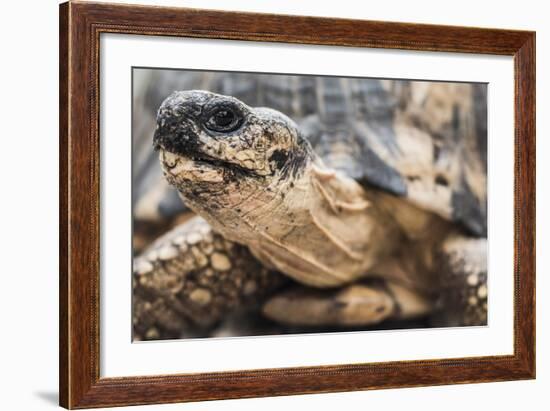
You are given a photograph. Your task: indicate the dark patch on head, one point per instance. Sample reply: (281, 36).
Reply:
(279, 157)
(175, 119)
(292, 163)
(175, 136)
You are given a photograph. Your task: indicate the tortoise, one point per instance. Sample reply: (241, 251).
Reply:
(319, 202)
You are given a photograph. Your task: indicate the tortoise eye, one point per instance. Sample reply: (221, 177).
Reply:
(224, 120)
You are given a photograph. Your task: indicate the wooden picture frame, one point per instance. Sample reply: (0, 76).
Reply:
(80, 27)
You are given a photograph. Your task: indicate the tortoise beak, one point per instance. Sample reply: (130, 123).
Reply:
(176, 133)
(176, 123)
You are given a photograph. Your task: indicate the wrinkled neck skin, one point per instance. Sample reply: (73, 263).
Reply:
(321, 229)
(319, 226)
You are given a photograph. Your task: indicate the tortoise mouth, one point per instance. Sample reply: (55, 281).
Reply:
(173, 160)
(196, 165)
(199, 160)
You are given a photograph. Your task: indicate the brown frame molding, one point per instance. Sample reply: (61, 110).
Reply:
(80, 27)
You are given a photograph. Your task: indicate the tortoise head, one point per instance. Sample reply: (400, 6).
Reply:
(217, 151)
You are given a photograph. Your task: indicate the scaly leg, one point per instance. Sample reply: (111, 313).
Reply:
(463, 298)
(360, 304)
(191, 278)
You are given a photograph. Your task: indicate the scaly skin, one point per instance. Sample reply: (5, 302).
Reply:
(191, 278)
(463, 264)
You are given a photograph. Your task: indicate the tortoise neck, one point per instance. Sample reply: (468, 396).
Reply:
(321, 228)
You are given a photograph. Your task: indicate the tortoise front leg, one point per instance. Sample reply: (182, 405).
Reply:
(361, 304)
(191, 278)
(463, 297)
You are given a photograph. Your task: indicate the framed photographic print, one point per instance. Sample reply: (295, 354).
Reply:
(257, 205)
